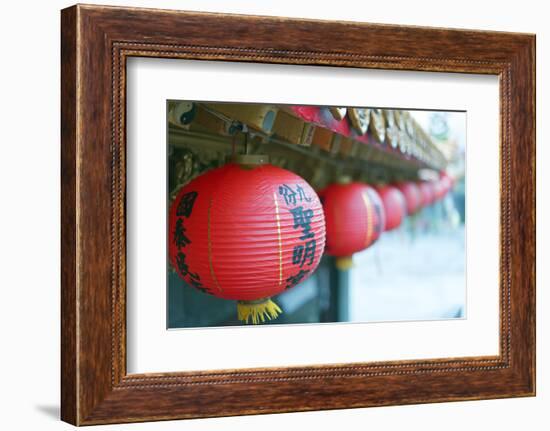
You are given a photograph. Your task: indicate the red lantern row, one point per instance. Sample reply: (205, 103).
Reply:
(356, 214)
(432, 191)
(248, 232)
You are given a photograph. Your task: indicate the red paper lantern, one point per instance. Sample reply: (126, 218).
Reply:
(395, 206)
(427, 193)
(246, 233)
(355, 218)
(412, 196)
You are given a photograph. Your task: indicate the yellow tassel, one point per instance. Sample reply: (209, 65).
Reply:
(344, 263)
(257, 311)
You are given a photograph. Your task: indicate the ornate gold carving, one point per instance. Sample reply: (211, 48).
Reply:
(359, 118)
(337, 113)
(392, 132)
(404, 142)
(377, 125)
(400, 119)
(390, 118)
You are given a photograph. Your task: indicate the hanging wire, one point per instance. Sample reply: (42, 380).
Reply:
(234, 128)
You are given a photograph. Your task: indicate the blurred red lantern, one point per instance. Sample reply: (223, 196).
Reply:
(395, 206)
(427, 193)
(412, 196)
(246, 232)
(355, 218)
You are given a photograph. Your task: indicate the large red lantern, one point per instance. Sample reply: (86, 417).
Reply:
(395, 206)
(412, 196)
(355, 218)
(246, 233)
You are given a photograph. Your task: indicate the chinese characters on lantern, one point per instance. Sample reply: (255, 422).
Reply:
(181, 240)
(292, 196)
(303, 253)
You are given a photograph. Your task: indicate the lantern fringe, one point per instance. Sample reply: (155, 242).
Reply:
(257, 311)
(344, 263)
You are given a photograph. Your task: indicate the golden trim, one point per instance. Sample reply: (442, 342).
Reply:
(278, 218)
(210, 264)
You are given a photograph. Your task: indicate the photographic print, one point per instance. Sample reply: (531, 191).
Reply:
(268, 212)
(292, 214)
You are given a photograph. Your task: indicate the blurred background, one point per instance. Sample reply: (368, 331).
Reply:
(416, 271)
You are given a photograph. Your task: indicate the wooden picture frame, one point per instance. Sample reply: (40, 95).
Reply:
(95, 42)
